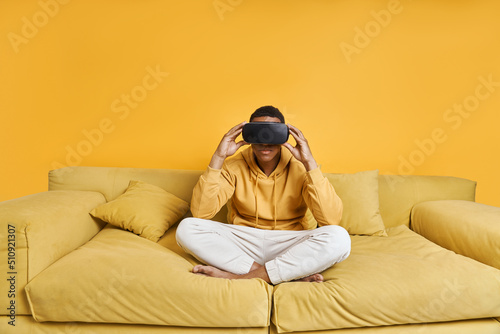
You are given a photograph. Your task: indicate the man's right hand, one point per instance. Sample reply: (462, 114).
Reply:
(227, 146)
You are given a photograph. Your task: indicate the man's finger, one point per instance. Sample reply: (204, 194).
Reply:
(288, 146)
(241, 143)
(235, 130)
(296, 133)
(237, 127)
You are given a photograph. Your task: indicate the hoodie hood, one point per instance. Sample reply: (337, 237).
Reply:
(249, 158)
(257, 174)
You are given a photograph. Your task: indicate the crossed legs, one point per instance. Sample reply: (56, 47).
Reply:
(240, 252)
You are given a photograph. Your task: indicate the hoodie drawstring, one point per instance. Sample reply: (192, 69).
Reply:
(255, 193)
(256, 201)
(274, 201)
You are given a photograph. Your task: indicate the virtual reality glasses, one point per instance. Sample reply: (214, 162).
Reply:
(265, 133)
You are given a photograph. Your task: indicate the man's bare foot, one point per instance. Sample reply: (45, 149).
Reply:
(318, 278)
(257, 271)
(213, 272)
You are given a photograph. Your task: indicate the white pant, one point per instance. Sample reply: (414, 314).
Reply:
(287, 255)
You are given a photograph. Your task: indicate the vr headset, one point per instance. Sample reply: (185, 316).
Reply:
(265, 133)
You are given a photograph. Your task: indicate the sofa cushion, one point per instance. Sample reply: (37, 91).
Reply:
(113, 181)
(145, 209)
(118, 277)
(359, 194)
(461, 226)
(399, 193)
(46, 226)
(400, 279)
(28, 325)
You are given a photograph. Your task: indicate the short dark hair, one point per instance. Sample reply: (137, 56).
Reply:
(268, 111)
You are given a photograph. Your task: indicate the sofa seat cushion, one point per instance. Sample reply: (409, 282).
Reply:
(400, 279)
(119, 277)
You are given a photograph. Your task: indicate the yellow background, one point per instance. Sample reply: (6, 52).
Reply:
(370, 83)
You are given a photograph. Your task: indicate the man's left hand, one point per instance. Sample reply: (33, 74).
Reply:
(301, 151)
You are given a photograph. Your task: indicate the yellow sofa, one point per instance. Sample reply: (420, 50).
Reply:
(433, 268)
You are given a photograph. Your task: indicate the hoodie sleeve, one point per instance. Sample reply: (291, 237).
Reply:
(213, 190)
(321, 198)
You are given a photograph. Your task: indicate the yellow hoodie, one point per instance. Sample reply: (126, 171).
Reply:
(278, 201)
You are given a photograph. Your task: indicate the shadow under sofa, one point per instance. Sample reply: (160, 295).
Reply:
(76, 274)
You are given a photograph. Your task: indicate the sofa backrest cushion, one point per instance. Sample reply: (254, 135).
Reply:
(360, 198)
(399, 193)
(113, 181)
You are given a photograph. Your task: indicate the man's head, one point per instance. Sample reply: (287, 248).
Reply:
(265, 153)
(268, 111)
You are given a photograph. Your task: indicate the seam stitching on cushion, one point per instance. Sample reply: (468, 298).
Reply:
(27, 252)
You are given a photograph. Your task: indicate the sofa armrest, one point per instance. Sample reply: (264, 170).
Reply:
(465, 227)
(37, 230)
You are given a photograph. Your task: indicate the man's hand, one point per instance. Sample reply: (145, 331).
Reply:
(227, 146)
(301, 151)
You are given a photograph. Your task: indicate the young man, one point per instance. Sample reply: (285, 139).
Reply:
(269, 188)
